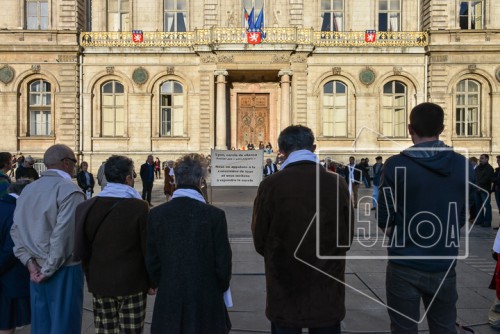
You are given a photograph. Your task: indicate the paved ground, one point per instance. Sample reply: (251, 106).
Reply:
(366, 278)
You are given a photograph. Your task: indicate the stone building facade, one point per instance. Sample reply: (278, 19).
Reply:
(174, 76)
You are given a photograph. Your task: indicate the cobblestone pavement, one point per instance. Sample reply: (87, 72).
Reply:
(366, 278)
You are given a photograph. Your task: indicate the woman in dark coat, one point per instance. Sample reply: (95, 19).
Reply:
(189, 257)
(85, 180)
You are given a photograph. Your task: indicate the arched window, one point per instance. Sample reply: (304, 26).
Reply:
(171, 109)
(468, 108)
(335, 109)
(40, 103)
(175, 15)
(394, 109)
(37, 14)
(113, 109)
(332, 15)
(118, 15)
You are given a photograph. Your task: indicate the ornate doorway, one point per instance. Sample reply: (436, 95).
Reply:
(253, 119)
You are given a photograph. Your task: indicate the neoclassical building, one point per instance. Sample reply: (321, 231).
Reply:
(174, 76)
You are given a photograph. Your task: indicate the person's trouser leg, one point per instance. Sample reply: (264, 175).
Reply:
(403, 300)
(442, 293)
(62, 302)
(487, 209)
(479, 207)
(40, 315)
(375, 196)
(355, 187)
(149, 190)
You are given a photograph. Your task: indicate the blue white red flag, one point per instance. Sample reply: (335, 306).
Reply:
(254, 28)
(137, 36)
(370, 36)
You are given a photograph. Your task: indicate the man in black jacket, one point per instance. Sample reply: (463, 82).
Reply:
(484, 176)
(422, 205)
(147, 176)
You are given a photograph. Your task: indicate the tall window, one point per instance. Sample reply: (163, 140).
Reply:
(335, 109)
(471, 14)
(389, 15)
(257, 5)
(40, 99)
(332, 14)
(394, 109)
(468, 108)
(37, 14)
(175, 15)
(113, 109)
(172, 109)
(118, 15)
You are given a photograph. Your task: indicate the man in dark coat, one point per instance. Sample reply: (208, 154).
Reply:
(284, 224)
(484, 176)
(189, 257)
(110, 239)
(147, 176)
(27, 170)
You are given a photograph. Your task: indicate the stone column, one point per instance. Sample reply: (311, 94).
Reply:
(220, 117)
(285, 98)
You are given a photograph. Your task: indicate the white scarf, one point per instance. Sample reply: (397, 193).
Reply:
(300, 155)
(119, 190)
(191, 193)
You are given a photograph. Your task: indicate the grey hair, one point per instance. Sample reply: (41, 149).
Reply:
(55, 154)
(190, 169)
(18, 186)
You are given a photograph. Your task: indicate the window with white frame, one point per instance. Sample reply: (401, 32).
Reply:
(332, 15)
(37, 14)
(335, 109)
(257, 6)
(39, 108)
(113, 109)
(468, 108)
(175, 15)
(171, 109)
(118, 15)
(471, 14)
(389, 15)
(394, 115)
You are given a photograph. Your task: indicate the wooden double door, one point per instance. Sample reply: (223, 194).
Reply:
(252, 119)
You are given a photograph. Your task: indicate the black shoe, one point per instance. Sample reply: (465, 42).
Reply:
(374, 208)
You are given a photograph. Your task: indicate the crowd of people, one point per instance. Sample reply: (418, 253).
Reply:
(55, 234)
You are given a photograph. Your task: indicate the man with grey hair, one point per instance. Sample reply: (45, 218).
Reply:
(43, 235)
(285, 209)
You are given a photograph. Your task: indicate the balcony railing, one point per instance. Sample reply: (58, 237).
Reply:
(218, 35)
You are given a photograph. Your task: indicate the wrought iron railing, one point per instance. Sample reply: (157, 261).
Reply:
(218, 35)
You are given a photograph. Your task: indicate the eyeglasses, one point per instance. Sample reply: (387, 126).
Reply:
(70, 159)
